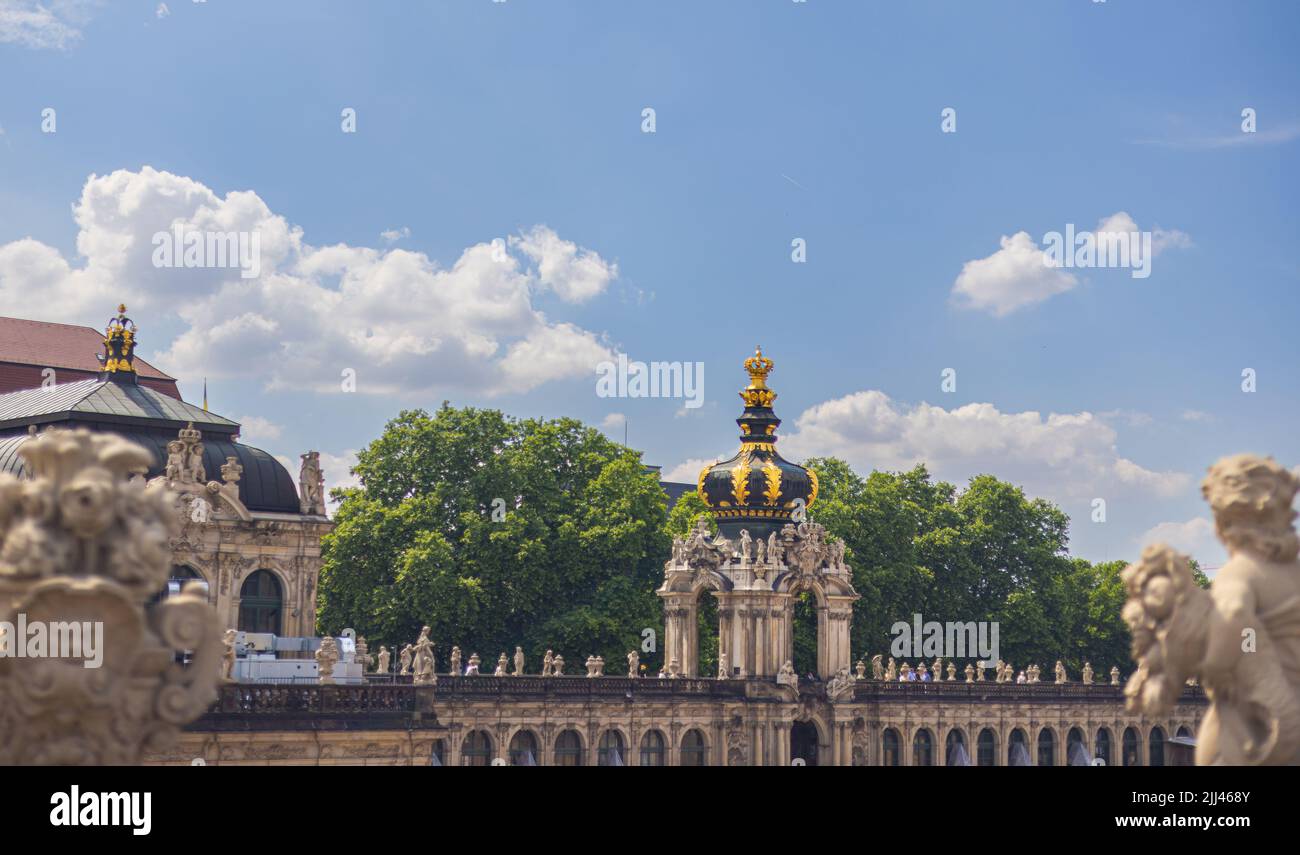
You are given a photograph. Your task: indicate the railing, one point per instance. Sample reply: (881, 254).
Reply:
(991, 692)
(289, 699)
(579, 686)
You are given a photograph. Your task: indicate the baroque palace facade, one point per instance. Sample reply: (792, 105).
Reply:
(754, 711)
(246, 531)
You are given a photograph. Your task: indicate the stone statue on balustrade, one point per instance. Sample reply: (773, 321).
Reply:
(548, 664)
(860, 670)
(327, 656)
(519, 661)
(724, 670)
(891, 672)
(1061, 678)
(633, 664)
(502, 664)
(385, 658)
(1087, 673)
(787, 677)
(557, 666)
(970, 673)
(404, 660)
(228, 656)
(877, 671)
(422, 664)
(746, 545)
(952, 671)
(1241, 637)
(454, 666)
(840, 686)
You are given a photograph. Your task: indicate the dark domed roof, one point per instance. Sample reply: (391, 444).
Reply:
(265, 484)
(757, 489)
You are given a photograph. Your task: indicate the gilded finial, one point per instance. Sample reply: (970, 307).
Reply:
(756, 394)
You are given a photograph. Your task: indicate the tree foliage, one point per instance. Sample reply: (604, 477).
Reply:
(568, 562)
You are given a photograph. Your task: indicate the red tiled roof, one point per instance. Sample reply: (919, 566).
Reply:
(50, 345)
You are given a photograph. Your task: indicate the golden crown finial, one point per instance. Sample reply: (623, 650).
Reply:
(121, 308)
(758, 366)
(756, 394)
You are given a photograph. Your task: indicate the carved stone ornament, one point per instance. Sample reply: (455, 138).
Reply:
(1242, 636)
(82, 544)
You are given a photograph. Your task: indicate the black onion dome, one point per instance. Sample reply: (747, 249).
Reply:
(757, 489)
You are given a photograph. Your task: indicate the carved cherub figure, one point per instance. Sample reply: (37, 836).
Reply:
(1242, 636)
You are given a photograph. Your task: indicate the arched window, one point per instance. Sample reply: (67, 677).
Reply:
(1156, 747)
(954, 751)
(923, 748)
(988, 748)
(523, 749)
(694, 750)
(1076, 753)
(477, 749)
(437, 753)
(610, 752)
(652, 748)
(1184, 733)
(890, 754)
(1018, 749)
(1103, 746)
(261, 603)
(1046, 747)
(568, 749)
(1132, 744)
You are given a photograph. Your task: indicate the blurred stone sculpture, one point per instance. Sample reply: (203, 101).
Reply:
(877, 671)
(557, 666)
(363, 654)
(840, 686)
(1087, 673)
(384, 659)
(519, 661)
(1242, 636)
(891, 672)
(81, 543)
(1114, 675)
(952, 671)
(454, 666)
(404, 658)
(1060, 673)
(548, 663)
(633, 663)
(502, 663)
(970, 673)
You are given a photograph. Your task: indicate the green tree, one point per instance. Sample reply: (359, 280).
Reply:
(497, 532)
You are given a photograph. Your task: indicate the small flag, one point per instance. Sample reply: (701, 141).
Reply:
(205, 394)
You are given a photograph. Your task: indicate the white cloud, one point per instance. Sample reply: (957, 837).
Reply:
(394, 235)
(403, 323)
(613, 421)
(53, 24)
(1016, 276)
(162, 11)
(688, 471)
(1194, 537)
(1196, 416)
(575, 274)
(1063, 457)
(1021, 274)
(256, 429)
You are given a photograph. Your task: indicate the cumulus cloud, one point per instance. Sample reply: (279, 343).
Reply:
(255, 429)
(1023, 274)
(396, 319)
(50, 25)
(688, 471)
(1194, 537)
(1063, 457)
(1016, 276)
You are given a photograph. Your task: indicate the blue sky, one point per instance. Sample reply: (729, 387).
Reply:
(774, 121)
